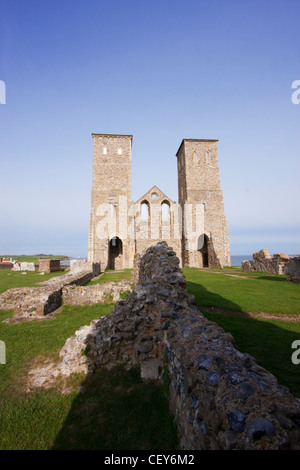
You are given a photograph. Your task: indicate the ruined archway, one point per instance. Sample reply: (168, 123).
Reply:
(115, 256)
(203, 242)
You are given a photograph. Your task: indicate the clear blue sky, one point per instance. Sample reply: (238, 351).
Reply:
(160, 70)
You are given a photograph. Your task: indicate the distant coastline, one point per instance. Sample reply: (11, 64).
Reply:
(236, 260)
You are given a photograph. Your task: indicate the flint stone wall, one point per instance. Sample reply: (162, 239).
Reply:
(77, 266)
(89, 295)
(292, 269)
(220, 398)
(36, 302)
(263, 262)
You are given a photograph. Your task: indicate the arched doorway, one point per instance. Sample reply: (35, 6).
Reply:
(115, 258)
(203, 242)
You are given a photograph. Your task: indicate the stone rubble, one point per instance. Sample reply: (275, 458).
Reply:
(36, 302)
(220, 398)
(89, 295)
(280, 263)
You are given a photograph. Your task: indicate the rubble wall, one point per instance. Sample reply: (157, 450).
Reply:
(36, 302)
(220, 398)
(89, 295)
(280, 263)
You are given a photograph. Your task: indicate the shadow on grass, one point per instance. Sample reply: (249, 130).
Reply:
(268, 341)
(210, 299)
(272, 278)
(117, 411)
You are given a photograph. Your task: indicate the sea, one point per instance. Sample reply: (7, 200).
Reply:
(236, 260)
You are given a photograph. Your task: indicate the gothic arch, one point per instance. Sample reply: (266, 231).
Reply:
(115, 254)
(145, 211)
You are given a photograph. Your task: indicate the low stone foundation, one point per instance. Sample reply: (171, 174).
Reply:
(220, 398)
(88, 295)
(36, 302)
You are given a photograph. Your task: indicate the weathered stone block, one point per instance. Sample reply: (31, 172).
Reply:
(261, 254)
(49, 265)
(292, 268)
(27, 266)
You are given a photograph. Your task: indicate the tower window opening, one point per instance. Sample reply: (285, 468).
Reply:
(144, 211)
(165, 212)
(104, 150)
(119, 151)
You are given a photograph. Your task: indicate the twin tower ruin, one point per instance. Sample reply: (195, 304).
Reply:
(195, 227)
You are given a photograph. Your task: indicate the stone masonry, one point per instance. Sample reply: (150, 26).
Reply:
(49, 265)
(220, 398)
(36, 302)
(280, 263)
(196, 226)
(89, 295)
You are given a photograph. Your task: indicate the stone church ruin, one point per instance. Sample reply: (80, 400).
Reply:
(196, 226)
(220, 398)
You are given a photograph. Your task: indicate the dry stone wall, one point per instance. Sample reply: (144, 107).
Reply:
(220, 398)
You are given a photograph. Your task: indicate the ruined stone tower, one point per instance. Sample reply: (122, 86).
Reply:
(195, 227)
(205, 229)
(110, 201)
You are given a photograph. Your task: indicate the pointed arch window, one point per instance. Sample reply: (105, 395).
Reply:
(145, 211)
(165, 211)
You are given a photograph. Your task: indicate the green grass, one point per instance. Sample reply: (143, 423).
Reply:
(10, 279)
(118, 411)
(32, 258)
(46, 419)
(110, 275)
(250, 292)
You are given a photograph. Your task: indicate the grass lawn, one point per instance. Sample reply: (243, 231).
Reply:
(234, 290)
(10, 279)
(110, 275)
(32, 258)
(116, 410)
